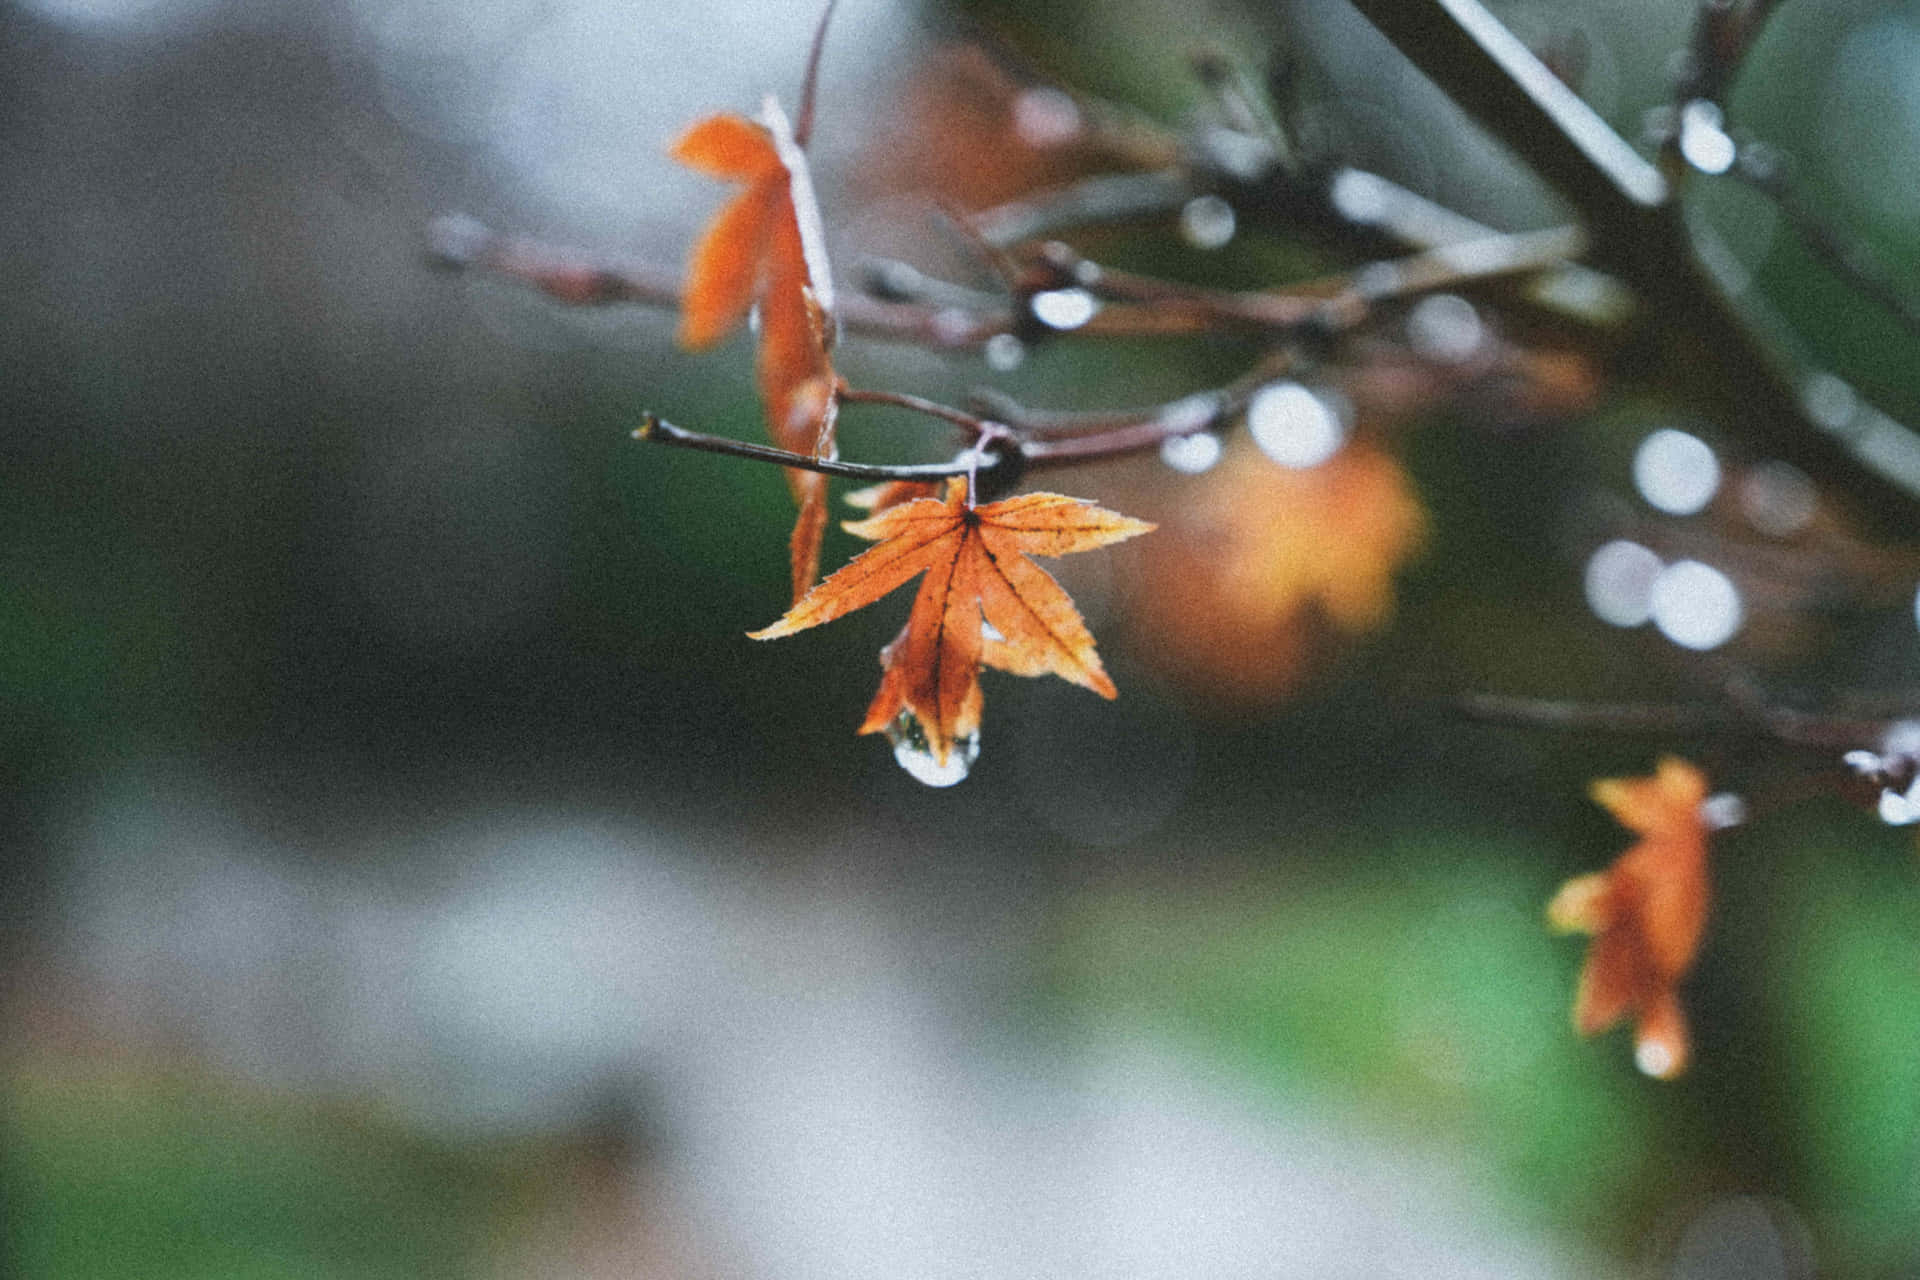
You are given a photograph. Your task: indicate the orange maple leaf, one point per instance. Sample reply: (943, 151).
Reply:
(1646, 913)
(977, 567)
(765, 247)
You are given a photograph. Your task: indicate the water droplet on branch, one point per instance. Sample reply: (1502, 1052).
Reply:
(1064, 308)
(1703, 141)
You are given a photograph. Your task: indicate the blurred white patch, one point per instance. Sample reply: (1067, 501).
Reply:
(1359, 196)
(1619, 583)
(1695, 605)
(1294, 426)
(1004, 353)
(1046, 117)
(1722, 810)
(1653, 1059)
(1829, 401)
(1445, 328)
(1676, 472)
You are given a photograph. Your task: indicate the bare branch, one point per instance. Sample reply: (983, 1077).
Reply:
(654, 430)
(1486, 69)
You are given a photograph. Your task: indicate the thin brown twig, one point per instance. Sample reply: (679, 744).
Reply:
(803, 119)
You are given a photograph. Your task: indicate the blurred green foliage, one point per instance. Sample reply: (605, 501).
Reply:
(127, 1172)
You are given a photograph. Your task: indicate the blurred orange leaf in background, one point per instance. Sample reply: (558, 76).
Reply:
(1646, 913)
(1263, 557)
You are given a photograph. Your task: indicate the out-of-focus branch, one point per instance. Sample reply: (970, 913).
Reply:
(1850, 259)
(1698, 335)
(1742, 715)
(1490, 73)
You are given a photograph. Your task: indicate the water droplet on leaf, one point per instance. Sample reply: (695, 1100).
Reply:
(913, 753)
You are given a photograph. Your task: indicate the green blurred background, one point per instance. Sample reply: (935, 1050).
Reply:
(412, 870)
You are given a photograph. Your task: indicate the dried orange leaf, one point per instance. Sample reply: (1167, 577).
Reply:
(765, 246)
(977, 571)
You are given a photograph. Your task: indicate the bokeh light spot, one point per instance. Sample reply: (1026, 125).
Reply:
(1675, 472)
(1207, 222)
(1445, 328)
(1619, 583)
(1004, 353)
(1695, 605)
(1293, 426)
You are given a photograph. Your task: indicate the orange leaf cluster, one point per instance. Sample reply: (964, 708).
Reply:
(1646, 913)
(978, 575)
(765, 247)
(1264, 553)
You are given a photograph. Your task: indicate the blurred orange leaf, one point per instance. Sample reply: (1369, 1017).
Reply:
(1646, 913)
(1263, 553)
(765, 247)
(978, 574)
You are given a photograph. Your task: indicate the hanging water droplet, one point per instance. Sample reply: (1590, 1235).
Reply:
(913, 753)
